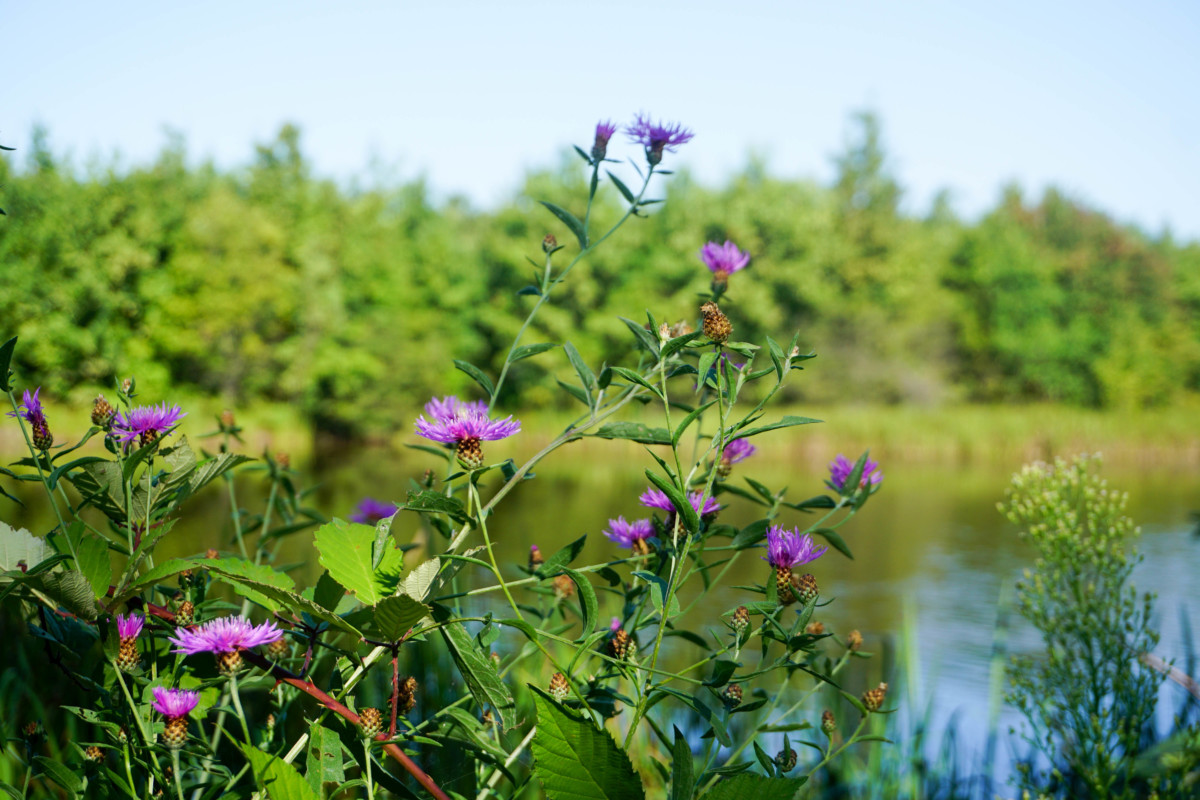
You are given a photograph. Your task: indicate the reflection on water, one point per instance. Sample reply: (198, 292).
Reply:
(931, 543)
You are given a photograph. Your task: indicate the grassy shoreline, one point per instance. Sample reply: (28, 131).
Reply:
(949, 435)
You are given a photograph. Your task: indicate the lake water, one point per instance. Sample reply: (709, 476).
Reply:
(931, 553)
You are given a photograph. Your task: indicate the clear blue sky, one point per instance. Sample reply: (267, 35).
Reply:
(1097, 97)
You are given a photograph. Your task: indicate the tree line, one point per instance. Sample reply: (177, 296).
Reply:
(349, 302)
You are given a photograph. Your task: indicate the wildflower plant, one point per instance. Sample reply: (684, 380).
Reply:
(541, 678)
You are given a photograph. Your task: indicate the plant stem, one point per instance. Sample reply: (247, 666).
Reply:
(236, 696)
(367, 768)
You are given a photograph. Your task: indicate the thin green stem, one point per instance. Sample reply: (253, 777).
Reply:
(367, 768)
(37, 463)
(175, 772)
(236, 696)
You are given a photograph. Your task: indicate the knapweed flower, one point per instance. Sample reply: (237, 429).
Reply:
(224, 637)
(657, 137)
(735, 452)
(723, 260)
(145, 423)
(128, 629)
(840, 469)
(715, 324)
(175, 705)
(444, 409)
(370, 511)
(790, 549)
(604, 131)
(31, 411)
(634, 535)
(653, 498)
(465, 430)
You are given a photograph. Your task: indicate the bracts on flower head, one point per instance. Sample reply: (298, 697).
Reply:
(873, 699)
(787, 549)
(604, 132)
(225, 637)
(30, 410)
(657, 137)
(735, 452)
(464, 425)
(559, 687)
(174, 705)
(716, 325)
(128, 629)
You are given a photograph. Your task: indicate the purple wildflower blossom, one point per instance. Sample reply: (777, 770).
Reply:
(30, 409)
(615, 625)
(657, 137)
(174, 702)
(738, 451)
(628, 534)
(130, 627)
(604, 131)
(723, 259)
(445, 409)
(470, 425)
(653, 498)
(224, 635)
(840, 469)
(146, 423)
(790, 548)
(371, 511)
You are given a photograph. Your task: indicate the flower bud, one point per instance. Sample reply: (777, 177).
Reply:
(535, 557)
(284, 460)
(42, 438)
(854, 640)
(228, 421)
(564, 587)
(186, 614)
(621, 645)
(805, 588)
(211, 554)
(828, 723)
(102, 413)
(732, 696)
(786, 759)
(716, 325)
(741, 620)
(278, 649)
(873, 699)
(815, 628)
(94, 754)
(549, 243)
(495, 659)
(559, 688)
(406, 696)
(370, 722)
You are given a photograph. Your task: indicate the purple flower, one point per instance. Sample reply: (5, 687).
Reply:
(840, 469)
(631, 534)
(653, 498)
(615, 625)
(371, 511)
(604, 131)
(130, 627)
(723, 259)
(657, 137)
(224, 635)
(174, 703)
(145, 423)
(790, 548)
(738, 451)
(466, 429)
(30, 409)
(445, 409)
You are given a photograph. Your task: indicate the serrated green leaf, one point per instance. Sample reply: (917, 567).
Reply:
(419, 580)
(477, 375)
(431, 502)
(346, 551)
(234, 568)
(741, 787)
(683, 774)
(69, 589)
(328, 593)
(634, 432)
(18, 545)
(396, 616)
(476, 668)
(571, 221)
(91, 557)
(575, 760)
(289, 600)
(324, 762)
(277, 777)
(648, 340)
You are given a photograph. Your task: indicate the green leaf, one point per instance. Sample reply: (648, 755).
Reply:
(658, 593)
(477, 375)
(587, 602)
(476, 668)
(52, 480)
(60, 773)
(328, 593)
(277, 777)
(396, 616)
(234, 569)
(629, 196)
(431, 502)
(741, 787)
(571, 221)
(419, 580)
(835, 539)
(6, 354)
(19, 545)
(778, 359)
(575, 760)
(692, 416)
(324, 762)
(346, 549)
(70, 590)
(564, 556)
(682, 507)
(287, 599)
(786, 422)
(678, 343)
(648, 340)
(527, 350)
(91, 556)
(634, 432)
(159, 572)
(212, 469)
(683, 775)
(576, 392)
(586, 376)
(723, 670)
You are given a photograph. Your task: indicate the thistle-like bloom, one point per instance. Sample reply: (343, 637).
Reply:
(787, 549)
(615, 625)
(146, 423)
(130, 627)
(738, 451)
(634, 535)
(723, 260)
(224, 635)
(174, 703)
(30, 409)
(445, 409)
(465, 430)
(653, 498)
(840, 469)
(370, 511)
(657, 137)
(604, 131)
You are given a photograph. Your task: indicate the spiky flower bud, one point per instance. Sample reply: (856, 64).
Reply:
(786, 759)
(828, 723)
(186, 614)
(128, 657)
(805, 588)
(228, 421)
(495, 659)
(854, 640)
(681, 328)
(783, 585)
(549, 243)
(873, 698)
(741, 619)
(211, 554)
(470, 453)
(716, 325)
(406, 696)
(175, 732)
(102, 413)
(564, 587)
(535, 557)
(559, 688)
(284, 460)
(621, 645)
(278, 649)
(732, 696)
(185, 578)
(815, 628)
(42, 438)
(94, 754)
(229, 663)
(370, 722)
(127, 387)
(270, 723)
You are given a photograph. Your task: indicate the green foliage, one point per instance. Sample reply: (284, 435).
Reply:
(575, 760)
(1087, 699)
